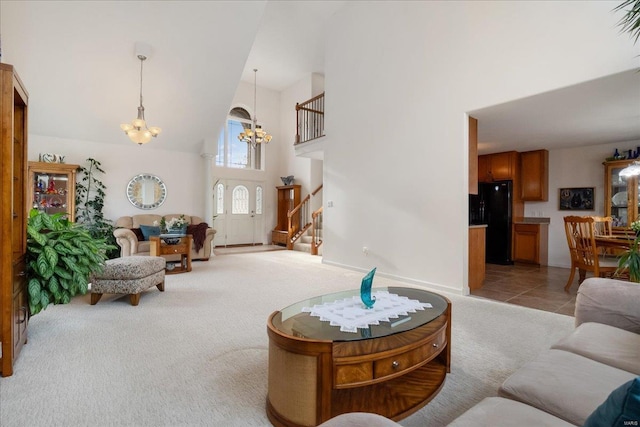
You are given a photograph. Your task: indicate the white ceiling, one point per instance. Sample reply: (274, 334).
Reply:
(77, 61)
(600, 111)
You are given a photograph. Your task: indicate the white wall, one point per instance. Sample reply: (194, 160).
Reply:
(573, 167)
(399, 78)
(181, 172)
(303, 169)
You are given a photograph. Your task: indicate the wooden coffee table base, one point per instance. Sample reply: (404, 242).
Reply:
(311, 381)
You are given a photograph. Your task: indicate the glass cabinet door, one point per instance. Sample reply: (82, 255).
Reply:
(52, 188)
(621, 194)
(50, 192)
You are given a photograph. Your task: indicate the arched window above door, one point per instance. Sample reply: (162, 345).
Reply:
(240, 200)
(232, 152)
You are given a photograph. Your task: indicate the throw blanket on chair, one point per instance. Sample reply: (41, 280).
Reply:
(199, 233)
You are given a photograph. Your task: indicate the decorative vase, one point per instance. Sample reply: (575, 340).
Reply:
(365, 289)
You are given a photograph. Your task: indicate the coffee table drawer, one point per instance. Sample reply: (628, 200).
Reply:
(353, 373)
(180, 248)
(410, 359)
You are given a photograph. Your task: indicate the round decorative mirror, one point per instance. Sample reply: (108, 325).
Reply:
(146, 191)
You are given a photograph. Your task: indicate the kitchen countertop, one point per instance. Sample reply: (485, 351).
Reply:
(532, 220)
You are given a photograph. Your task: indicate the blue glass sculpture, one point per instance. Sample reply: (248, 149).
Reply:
(365, 289)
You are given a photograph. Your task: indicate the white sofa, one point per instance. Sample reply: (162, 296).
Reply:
(128, 237)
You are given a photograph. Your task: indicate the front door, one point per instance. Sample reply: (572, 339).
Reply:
(239, 209)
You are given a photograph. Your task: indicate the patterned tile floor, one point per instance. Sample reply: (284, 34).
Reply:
(532, 286)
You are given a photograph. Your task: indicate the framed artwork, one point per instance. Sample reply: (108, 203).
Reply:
(577, 199)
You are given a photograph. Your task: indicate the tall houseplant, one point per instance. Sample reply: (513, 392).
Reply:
(630, 22)
(90, 193)
(629, 260)
(61, 255)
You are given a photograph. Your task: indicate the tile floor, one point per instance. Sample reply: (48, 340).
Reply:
(532, 286)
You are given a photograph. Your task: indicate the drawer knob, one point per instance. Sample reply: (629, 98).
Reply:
(435, 345)
(395, 364)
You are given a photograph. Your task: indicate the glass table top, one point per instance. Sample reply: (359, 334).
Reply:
(292, 321)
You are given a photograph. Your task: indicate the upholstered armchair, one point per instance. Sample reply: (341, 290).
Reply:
(132, 241)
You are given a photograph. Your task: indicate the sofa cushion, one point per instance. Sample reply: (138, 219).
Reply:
(149, 230)
(138, 233)
(621, 408)
(606, 344)
(564, 384)
(500, 412)
(608, 301)
(359, 419)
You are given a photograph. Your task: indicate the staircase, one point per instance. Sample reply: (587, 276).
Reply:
(305, 227)
(303, 244)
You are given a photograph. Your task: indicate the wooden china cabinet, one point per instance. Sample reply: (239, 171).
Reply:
(288, 198)
(620, 194)
(14, 307)
(52, 188)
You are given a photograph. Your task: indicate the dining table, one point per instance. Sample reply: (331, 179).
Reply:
(616, 241)
(613, 246)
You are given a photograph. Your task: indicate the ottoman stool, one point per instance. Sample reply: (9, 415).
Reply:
(129, 275)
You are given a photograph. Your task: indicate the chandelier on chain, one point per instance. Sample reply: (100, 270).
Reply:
(137, 130)
(256, 135)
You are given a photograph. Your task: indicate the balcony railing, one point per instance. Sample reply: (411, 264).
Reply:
(310, 119)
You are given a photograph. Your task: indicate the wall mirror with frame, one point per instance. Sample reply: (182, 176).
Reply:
(146, 191)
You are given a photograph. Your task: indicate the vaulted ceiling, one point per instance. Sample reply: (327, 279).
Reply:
(77, 60)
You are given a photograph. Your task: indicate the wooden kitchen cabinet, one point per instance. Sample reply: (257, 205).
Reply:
(498, 166)
(534, 174)
(530, 243)
(14, 307)
(477, 267)
(473, 155)
(620, 194)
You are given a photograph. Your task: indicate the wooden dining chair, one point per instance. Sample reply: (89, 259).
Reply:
(581, 232)
(603, 225)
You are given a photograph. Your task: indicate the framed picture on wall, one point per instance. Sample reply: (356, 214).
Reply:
(577, 199)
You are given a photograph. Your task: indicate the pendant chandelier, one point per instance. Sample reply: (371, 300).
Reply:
(137, 130)
(256, 135)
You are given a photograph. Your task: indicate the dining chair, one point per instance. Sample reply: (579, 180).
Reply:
(604, 227)
(581, 232)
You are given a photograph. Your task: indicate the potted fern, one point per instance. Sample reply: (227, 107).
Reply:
(90, 194)
(61, 255)
(629, 260)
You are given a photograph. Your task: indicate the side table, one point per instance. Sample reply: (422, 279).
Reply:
(182, 248)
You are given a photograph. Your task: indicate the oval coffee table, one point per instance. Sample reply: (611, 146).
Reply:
(317, 372)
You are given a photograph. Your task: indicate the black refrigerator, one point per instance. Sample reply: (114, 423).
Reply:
(492, 206)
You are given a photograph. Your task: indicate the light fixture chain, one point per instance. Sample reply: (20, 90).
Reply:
(142, 58)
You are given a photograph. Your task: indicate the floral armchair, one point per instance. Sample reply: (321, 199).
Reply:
(132, 241)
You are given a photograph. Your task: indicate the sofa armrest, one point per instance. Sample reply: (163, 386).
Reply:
(127, 241)
(210, 233)
(609, 301)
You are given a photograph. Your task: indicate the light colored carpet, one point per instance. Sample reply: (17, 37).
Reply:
(196, 355)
